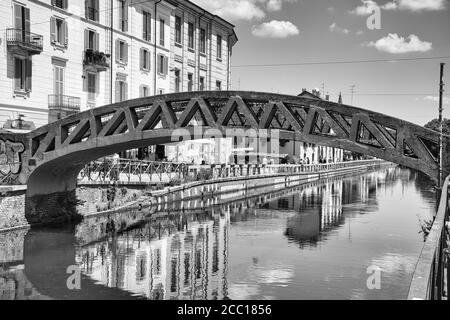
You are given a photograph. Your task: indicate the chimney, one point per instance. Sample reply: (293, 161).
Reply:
(340, 98)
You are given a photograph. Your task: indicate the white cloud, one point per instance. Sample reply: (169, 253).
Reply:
(234, 9)
(274, 5)
(416, 5)
(275, 29)
(390, 6)
(445, 100)
(335, 28)
(395, 44)
(366, 8)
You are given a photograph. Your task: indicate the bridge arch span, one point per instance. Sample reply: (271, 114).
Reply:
(59, 150)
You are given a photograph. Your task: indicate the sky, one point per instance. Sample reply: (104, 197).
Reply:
(304, 31)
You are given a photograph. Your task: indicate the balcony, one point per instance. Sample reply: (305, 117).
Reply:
(57, 101)
(96, 61)
(22, 41)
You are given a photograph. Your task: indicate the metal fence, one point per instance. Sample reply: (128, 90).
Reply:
(129, 171)
(431, 276)
(63, 102)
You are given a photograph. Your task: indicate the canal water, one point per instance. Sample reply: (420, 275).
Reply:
(318, 241)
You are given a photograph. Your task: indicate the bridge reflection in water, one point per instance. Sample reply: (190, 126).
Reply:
(310, 241)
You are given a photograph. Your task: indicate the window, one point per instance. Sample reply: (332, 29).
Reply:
(177, 80)
(202, 84)
(145, 91)
(202, 41)
(145, 59)
(58, 77)
(123, 15)
(58, 32)
(91, 40)
(147, 25)
(121, 90)
(91, 86)
(219, 47)
(178, 29)
(91, 7)
(60, 4)
(190, 81)
(22, 23)
(163, 64)
(162, 24)
(218, 85)
(191, 35)
(121, 52)
(22, 74)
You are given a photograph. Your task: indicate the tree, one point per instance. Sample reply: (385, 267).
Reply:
(434, 125)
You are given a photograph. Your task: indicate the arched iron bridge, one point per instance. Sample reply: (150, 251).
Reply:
(56, 152)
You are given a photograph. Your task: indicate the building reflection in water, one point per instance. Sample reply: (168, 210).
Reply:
(184, 255)
(181, 257)
(323, 208)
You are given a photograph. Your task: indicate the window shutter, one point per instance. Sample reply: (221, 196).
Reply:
(27, 19)
(144, 25)
(86, 9)
(86, 39)
(65, 4)
(141, 91)
(17, 73)
(142, 59)
(166, 65)
(125, 88)
(126, 53)
(117, 51)
(97, 41)
(97, 83)
(96, 5)
(85, 82)
(28, 71)
(18, 16)
(66, 34)
(125, 16)
(158, 68)
(52, 29)
(55, 79)
(148, 61)
(117, 91)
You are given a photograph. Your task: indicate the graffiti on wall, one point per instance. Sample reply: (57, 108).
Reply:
(10, 162)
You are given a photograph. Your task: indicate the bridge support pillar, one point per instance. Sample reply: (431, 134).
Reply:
(51, 195)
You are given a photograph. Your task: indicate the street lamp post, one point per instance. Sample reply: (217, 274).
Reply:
(441, 92)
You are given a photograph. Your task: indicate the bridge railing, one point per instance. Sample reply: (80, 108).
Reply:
(128, 170)
(432, 273)
(140, 171)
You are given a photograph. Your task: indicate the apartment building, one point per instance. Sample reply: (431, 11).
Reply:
(60, 57)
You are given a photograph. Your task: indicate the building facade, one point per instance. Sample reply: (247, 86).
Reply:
(60, 57)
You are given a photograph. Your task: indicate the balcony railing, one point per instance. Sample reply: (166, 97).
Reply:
(64, 103)
(19, 39)
(97, 60)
